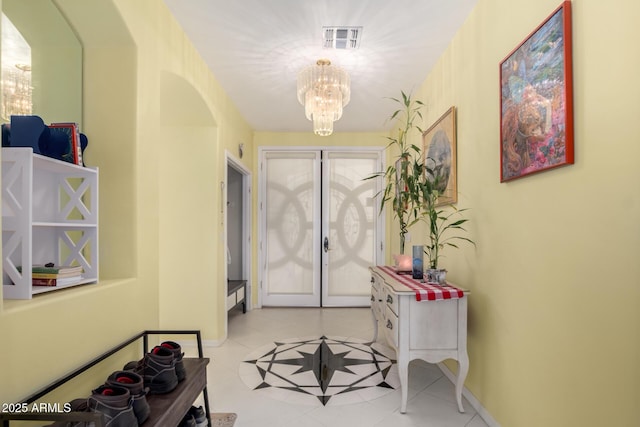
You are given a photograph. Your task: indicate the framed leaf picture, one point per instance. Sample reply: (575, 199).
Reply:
(440, 157)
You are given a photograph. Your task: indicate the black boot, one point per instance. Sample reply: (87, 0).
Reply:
(177, 354)
(157, 369)
(115, 404)
(135, 384)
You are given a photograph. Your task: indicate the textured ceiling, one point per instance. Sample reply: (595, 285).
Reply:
(256, 48)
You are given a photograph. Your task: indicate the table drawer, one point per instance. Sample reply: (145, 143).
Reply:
(377, 305)
(391, 325)
(376, 284)
(391, 300)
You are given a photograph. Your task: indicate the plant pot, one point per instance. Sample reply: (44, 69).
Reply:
(436, 276)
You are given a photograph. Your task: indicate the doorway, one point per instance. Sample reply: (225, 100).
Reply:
(319, 226)
(237, 212)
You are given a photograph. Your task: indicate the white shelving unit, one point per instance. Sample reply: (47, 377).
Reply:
(49, 214)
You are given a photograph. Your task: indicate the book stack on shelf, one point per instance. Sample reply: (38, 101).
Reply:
(44, 275)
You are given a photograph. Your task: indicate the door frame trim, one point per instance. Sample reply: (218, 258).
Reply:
(381, 225)
(247, 226)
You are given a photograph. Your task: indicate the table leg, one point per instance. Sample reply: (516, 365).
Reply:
(403, 372)
(244, 298)
(463, 369)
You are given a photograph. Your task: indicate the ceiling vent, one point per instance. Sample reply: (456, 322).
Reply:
(341, 37)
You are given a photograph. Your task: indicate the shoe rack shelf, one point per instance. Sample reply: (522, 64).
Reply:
(165, 409)
(49, 214)
(236, 294)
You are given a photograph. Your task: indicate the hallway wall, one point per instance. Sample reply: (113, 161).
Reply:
(158, 125)
(554, 310)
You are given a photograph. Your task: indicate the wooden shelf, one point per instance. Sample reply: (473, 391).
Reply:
(169, 409)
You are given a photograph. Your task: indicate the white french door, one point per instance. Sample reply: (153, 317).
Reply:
(290, 240)
(351, 241)
(320, 229)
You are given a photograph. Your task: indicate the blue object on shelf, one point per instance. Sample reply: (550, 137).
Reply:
(26, 131)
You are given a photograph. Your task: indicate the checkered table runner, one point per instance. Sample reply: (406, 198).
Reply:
(424, 291)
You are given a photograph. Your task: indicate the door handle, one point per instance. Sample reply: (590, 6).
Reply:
(326, 244)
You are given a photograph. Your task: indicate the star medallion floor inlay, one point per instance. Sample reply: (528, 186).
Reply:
(321, 370)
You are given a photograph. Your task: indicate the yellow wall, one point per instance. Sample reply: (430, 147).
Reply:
(158, 125)
(554, 314)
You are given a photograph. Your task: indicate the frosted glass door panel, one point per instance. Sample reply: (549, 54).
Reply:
(292, 242)
(350, 227)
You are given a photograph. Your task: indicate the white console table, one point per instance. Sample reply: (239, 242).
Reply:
(431, 330)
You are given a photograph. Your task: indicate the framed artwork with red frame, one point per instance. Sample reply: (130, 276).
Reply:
(536, 100)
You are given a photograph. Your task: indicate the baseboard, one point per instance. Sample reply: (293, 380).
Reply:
(212, 343)
(205, 343)
(484, 414)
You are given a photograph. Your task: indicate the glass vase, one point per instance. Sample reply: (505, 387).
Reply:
(418, 262)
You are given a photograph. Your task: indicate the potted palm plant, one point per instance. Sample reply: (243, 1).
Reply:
(445, 226)
(402, 178)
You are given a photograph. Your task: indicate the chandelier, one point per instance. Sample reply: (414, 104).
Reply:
(323, 89)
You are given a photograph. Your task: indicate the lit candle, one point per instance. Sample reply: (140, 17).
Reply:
(403, 262)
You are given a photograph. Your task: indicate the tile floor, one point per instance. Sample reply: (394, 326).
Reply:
(431, 398)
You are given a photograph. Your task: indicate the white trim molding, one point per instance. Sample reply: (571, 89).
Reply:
(475, 403)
